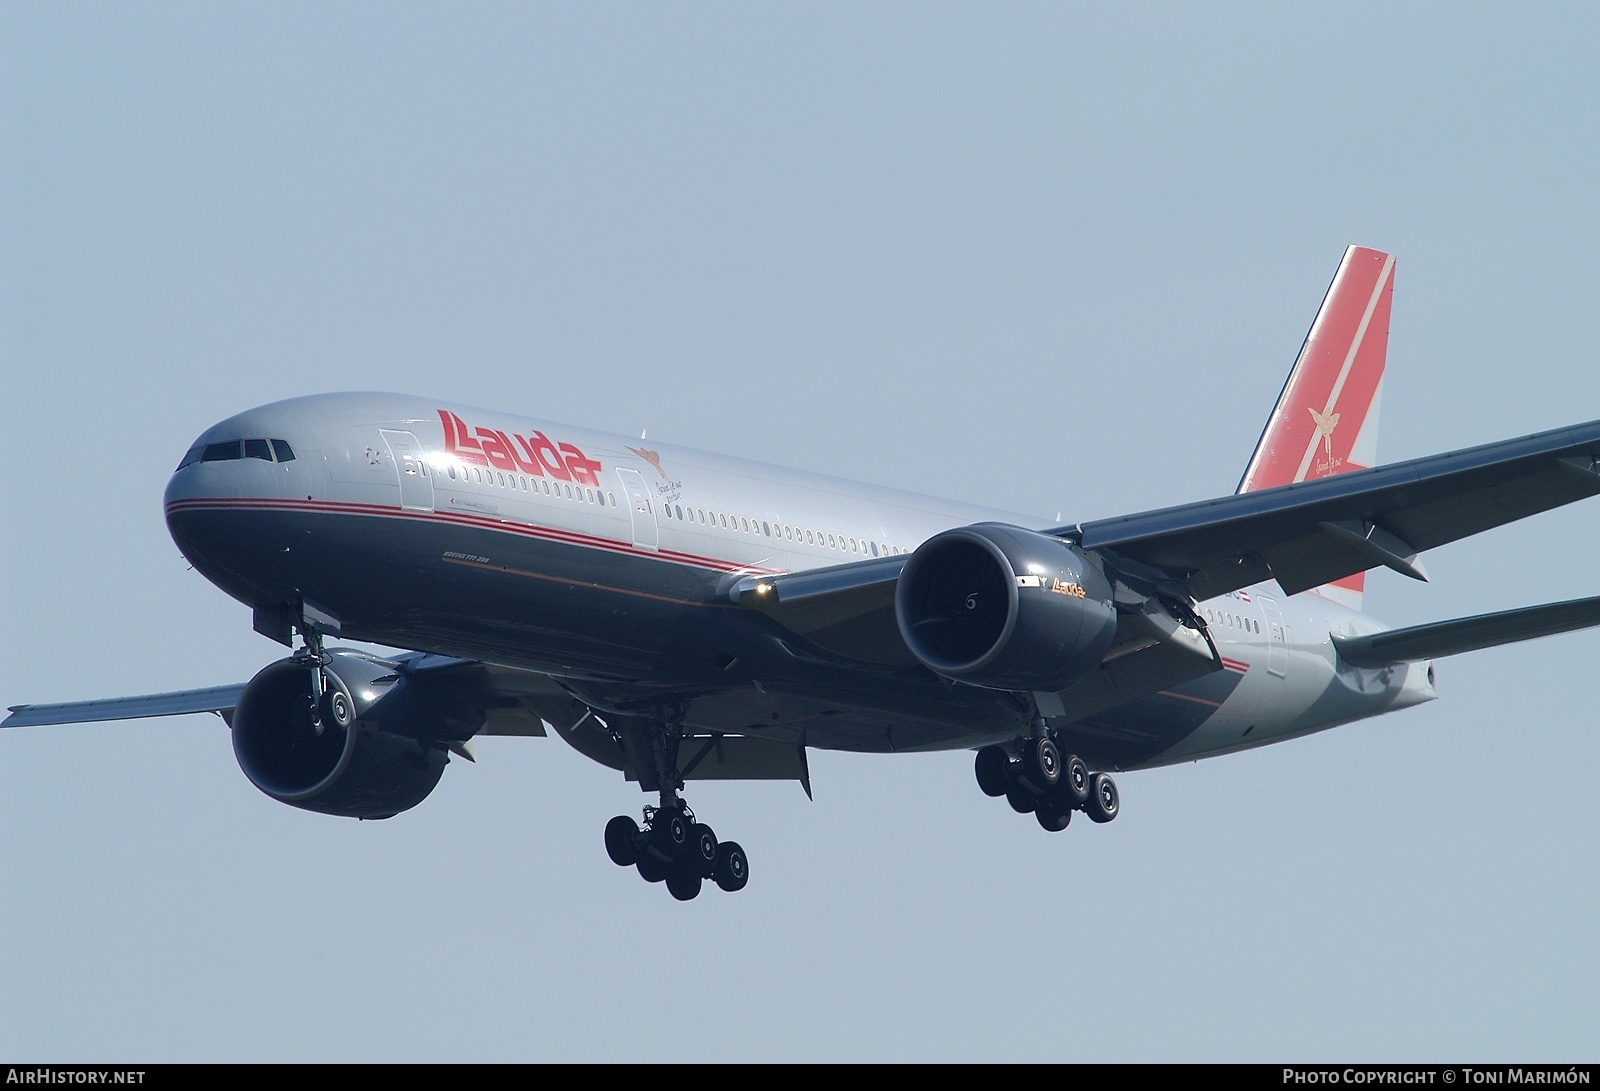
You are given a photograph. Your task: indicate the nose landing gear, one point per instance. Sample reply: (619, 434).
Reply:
(327, 705)
(1045, 783)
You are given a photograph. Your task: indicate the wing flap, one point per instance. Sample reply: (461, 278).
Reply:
(1467, 634)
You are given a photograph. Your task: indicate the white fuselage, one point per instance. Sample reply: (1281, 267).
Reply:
(673, 516)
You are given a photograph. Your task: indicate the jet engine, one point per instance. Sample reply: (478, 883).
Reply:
(1004, 608)
(368, 748)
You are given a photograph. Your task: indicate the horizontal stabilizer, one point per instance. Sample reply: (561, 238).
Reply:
(1467, 634)
(219, 699)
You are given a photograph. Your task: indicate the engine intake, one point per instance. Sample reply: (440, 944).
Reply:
(1005, 608)
(373, 756)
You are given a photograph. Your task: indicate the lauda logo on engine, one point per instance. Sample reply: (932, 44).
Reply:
(535, 455)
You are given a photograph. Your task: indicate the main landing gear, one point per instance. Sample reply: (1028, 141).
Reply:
(672, 847)
(1046, 784)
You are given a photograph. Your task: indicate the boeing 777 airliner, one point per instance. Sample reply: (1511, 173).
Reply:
(678, 616)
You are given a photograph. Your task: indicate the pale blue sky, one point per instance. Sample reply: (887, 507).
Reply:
(1046, 257)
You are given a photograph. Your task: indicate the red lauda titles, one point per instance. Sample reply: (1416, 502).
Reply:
(535, 455)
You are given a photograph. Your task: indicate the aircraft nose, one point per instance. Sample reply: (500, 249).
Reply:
(228, 466)
(259, 456)
(227, 503)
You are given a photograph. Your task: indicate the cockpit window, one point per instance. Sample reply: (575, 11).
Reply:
(267, 450)
(222, 452)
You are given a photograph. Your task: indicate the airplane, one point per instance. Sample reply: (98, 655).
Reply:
(682, 616)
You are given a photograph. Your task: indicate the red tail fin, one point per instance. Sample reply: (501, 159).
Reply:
(1326, 419)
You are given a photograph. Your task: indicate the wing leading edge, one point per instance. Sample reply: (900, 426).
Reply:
(1314, 532)
(218, 699)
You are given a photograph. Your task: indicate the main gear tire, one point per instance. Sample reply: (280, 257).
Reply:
(992, 767)
(1074, 786)
(669, 836)
(1041, 765)
(1023, 799)
(622, 841)
(684, 884)
(733, 867)
(1053, 817)
(702, 850)
(1103, 802)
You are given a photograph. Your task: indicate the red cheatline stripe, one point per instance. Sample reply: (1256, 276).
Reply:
(1239, 666)
(480, 522)
(506, 569)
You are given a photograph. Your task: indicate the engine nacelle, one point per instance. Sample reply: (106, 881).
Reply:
(376, 754)
(1005, 608)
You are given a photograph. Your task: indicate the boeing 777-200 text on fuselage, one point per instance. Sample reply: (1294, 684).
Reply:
(680, 616)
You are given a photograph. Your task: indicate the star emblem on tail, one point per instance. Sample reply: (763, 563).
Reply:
(1326, 423)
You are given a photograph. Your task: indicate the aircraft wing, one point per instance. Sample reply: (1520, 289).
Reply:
(1303, 535)
(1314, 532)
(1467, 634)
(501, 700)
(504, 690)
(218, 699)
(515, 701)
(847, 609)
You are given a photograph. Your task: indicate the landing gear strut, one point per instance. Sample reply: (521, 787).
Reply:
(1045, 783)
(672, 846)
(329, 706)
